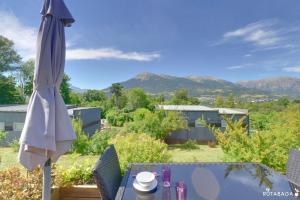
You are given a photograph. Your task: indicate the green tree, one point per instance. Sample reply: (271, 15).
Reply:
(137, 98)
(219, 101)
(8, 56)
(8, 91)
(94, 95)
(75, 98)
(65, 89)
(180, 97)
(160, 98)
(230, 101)
(284, 101)
(117, 117)
(118, 98)
(25, 77)
(157, 124)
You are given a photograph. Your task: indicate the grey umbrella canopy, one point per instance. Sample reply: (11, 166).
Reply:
(47, 131)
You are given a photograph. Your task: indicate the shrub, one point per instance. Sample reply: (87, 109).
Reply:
(16, 186)
(77, 174)
(269, 146)
(2, 138)
(145, 122)
(99, 141)
(157, 124)
(190, 145)
(133, 147)
(81, 144)
(2, 135)
(117, 117)
(260, 122)
(15, 145)
(96, 144)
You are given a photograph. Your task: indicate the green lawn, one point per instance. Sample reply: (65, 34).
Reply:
(202, 154)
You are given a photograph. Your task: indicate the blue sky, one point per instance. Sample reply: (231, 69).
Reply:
(113, 40)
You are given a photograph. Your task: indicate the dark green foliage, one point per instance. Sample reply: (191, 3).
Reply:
(137, 98)
(118, 117)
(65, 89)
(118, 99)
(8, 91)
(94, 95)
(8, 56)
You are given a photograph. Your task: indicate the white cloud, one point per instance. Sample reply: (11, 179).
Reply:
(261, 33)
(109, 53)
(292, 69)
(242, 66)
(24, 37)
(235, 67)
(247, 55)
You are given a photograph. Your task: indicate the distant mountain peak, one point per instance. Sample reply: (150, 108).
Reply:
(145, 76)
(77, 89)
(207, 85)
(203, 78)
(281, 85)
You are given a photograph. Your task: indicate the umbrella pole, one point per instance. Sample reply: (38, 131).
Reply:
(47, 180)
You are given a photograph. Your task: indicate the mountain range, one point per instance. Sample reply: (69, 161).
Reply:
(205, 85)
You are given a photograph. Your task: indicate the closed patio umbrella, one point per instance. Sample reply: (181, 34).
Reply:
(47, 131)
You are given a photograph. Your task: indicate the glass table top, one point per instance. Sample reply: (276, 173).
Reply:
(213, 181)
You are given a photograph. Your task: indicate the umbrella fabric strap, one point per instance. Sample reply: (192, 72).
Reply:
(39, 151)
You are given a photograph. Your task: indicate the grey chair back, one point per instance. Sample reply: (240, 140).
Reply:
(293, 166)
(107, 174)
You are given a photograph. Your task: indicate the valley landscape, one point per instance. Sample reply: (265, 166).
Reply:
(206, 87)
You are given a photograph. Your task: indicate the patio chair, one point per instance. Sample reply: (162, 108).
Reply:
(107, 174)
(293, 166)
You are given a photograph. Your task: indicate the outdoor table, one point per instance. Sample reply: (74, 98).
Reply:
(212, 181)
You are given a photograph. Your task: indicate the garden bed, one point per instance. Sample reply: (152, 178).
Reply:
(76, 192)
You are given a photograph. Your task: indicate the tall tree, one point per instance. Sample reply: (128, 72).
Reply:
(137, 98)
(180, 97)
(230, 101)
(8, 91)
(219, 101)
(118, 98)
(65, 89)
(24, 77)
(8, 56)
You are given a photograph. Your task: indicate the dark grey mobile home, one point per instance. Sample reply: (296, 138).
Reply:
(197, 131)
(12, 118)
